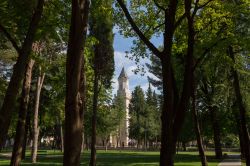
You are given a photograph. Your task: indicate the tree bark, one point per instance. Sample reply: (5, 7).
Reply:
(167, 151)
(93, 136)
(184, 146)
(20, 129)
(83, 140)
(237, 120)
(18, 74)
(74, 103)
(216, 133)
(106, 144)
(27, 125)
(242, 109)
(36, 128)
(62, 139)
(197, 131)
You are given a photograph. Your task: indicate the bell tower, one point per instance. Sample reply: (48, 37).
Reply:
(123, 90)
(123, 82)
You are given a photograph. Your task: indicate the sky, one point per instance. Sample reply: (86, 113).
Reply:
(121, 45)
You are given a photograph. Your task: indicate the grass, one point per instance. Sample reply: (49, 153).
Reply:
(115, 158)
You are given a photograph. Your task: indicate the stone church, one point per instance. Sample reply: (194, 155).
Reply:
(122, 137)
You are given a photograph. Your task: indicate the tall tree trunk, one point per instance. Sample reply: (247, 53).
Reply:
(174, 107)
(18, 73)
(237, 120)
(36, 128)
(197, 130)
(184, 146)
(216, 132)
(167, 151)
(243, 156)
(62, 139)
(242, 109)
(74, 103)
(27, 125)
(20, 129)
(107, 143)
(93, 136)
(83, 139)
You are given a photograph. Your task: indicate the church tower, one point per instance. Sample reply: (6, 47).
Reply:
(123, 90)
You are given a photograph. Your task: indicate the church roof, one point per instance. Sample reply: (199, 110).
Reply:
(123, 73)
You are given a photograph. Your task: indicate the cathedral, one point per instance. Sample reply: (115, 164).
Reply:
(123, 90)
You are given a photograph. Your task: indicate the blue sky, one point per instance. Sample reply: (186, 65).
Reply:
(121, 45)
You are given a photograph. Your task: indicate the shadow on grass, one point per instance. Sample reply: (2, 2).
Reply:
(115, 158)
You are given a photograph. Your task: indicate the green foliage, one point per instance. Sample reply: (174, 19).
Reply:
(144, 122)
(101, 25)
(137, 113)
(15, 16)
(153, 125)
(3, 85)
(187, 133)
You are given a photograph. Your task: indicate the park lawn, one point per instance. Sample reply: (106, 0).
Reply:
(116, 158)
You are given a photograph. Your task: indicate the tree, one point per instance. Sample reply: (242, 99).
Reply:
(119, 107)
(23, 108)
(108, 117)
(39, 85)
(239, 46)
(137, 113)
(19, 68)
(75, 83)
(242, 110)
(181, 55)
(101, 25)
(154, 67)
(197, 128)
(152, 117)
(175, 99)
(210, 93)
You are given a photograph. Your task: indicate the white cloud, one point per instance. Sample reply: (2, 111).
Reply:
(144, 87)
(114, 85)
(115, 29)
(121, 60)
(130, 71)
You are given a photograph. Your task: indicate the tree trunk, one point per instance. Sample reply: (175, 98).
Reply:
(242, 110)
(39, 86)
(184, 146)
(74, 103)
(216, 133)
(27, 125)
(61, 135)
(167, 151)
(83, 145)
(167, 141)
(20, 129)
(18, 74)
(106, 144)
(93, 136)
(197, 131)
(243, 156)
(106, 147)
(174, 107)
(237, 120)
